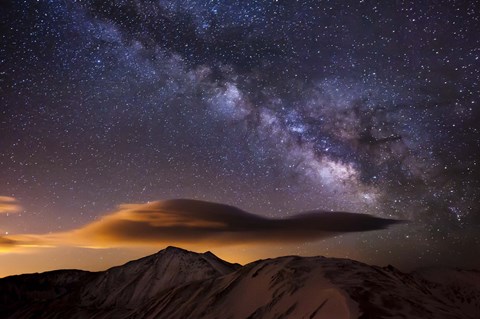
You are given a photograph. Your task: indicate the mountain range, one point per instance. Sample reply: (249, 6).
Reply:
(176, 283)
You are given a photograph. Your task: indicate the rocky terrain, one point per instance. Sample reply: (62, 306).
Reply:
(175, 283)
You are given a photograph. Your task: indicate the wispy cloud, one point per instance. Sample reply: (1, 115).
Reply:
(9, 205)
(197, 222)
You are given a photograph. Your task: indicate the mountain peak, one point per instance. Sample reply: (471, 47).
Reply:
(209, 253)
(173, 249)
(142, 279)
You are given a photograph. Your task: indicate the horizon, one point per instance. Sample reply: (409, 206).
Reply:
(122, 263)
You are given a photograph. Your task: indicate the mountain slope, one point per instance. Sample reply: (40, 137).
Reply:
(175, 283)
(139, 280)
(289, 287)
(317, 287)
(79, 294)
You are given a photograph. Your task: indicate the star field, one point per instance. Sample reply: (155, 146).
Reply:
(276, 107)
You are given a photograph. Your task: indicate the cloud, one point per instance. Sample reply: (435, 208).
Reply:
(9, 205)
(192, 222)
(9, 245)
(4, 242)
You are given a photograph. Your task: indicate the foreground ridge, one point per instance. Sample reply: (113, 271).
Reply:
(176, 283)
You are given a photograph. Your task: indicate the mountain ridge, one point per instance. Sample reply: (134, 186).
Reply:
(177, 283)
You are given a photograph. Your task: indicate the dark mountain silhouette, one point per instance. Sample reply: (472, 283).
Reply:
(175, 283)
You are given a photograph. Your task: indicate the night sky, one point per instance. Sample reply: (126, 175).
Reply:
(275, 107)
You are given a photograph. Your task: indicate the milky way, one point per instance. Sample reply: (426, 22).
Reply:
(272, 106)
